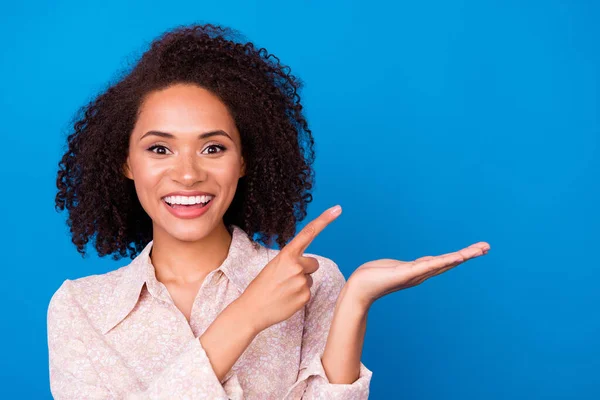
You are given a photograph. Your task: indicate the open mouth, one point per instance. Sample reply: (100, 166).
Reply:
(187, 206)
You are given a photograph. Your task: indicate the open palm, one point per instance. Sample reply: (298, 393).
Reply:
(375, 279)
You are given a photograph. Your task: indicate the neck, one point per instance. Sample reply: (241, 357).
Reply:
(182, 262)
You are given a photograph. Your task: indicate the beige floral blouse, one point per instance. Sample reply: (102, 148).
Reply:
(119, 335)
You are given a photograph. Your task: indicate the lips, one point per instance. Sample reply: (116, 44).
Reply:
(187, 211)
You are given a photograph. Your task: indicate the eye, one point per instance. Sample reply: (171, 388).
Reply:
(221, 148)
(157, 146)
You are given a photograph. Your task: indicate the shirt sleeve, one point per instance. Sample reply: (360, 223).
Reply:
(312, 382)
(73, 373)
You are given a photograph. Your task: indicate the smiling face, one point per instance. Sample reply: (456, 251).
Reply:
(184, 140)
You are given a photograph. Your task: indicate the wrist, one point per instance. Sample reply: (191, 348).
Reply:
(247, 319)
(341, 357)
(351, 299)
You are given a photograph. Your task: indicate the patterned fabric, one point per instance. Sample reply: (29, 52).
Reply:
(120, 335)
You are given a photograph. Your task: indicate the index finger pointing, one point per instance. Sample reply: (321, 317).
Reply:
(304, 238)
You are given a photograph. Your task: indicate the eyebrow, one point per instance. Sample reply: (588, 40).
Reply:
(204, 135)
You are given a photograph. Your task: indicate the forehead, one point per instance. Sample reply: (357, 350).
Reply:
(184, 109)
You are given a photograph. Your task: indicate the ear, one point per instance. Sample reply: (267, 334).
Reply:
(243, 168)
(127, 170)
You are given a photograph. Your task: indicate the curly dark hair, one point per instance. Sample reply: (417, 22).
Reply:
(263, 99)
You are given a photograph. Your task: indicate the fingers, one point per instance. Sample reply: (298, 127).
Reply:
(426, 267)
(310, 264)
(474, 250)
(309, 280)
(439, 271)
(297, 246)
(481, 245)
(429, 266)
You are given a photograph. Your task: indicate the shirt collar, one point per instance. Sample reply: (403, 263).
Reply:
(237, 267)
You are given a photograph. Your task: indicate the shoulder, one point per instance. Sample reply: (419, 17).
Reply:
(88, 295)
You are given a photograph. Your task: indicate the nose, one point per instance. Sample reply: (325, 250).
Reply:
(188, 169)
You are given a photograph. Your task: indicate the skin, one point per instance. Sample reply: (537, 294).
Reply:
(368, 283)
(185, 250)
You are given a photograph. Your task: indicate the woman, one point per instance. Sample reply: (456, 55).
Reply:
(196, 155)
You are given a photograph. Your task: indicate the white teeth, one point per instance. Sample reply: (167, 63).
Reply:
(188, 199)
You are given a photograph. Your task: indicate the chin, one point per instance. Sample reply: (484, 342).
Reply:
(187, 231)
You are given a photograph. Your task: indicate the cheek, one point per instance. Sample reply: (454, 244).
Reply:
(227, 179)
(228, 173)
(147, 175)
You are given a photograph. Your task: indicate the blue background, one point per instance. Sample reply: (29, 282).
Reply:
(438, 124)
